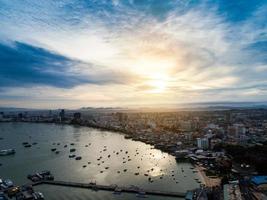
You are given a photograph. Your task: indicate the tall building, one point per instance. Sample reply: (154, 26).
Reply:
(236, 130)
(62, 115)
(202, 143)
(1, 115)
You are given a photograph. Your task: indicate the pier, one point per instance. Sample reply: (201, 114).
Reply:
(132, 189)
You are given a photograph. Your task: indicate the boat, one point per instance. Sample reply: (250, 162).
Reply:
(7, 152)
(72, 150)
(39, 176)
(92, 183)
(141, 194)
(2, 196)
(7, 184)
(78, 158)
(127, 137)
(71, 156)
(38, 195)
(11, 192)
(117, 190)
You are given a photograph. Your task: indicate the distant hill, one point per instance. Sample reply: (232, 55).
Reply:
(162, 107)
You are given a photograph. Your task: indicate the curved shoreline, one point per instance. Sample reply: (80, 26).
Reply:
(125, 133)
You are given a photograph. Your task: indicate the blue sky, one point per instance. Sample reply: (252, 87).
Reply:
(75, 53)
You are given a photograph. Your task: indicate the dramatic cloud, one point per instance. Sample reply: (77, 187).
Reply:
(23, 64)
(133, 52)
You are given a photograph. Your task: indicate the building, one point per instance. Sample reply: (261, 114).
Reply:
(202, 143)
(236, 130)
(77, 116)
(62, 115)
(1, 115)
(185, 125)
(260, 182)
(231, 192)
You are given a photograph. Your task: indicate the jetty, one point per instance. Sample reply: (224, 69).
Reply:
(94, 186)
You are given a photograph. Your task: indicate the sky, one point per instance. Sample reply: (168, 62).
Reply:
(103, 53)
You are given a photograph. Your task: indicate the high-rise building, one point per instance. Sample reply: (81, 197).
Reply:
(202, 143)
(62, 115)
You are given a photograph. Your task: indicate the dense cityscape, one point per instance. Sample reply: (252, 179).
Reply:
(228, 147)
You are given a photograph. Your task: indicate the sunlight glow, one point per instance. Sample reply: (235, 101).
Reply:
(158, 83)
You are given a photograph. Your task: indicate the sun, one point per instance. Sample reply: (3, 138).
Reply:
(156, 72)
(158, 85)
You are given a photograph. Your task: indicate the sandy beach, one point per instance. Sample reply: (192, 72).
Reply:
(209, 182)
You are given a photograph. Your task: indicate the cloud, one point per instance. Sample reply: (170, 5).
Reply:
(27, 65)
(23, 64)
(198, 49)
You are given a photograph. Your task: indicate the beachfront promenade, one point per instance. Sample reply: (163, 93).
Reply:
(114, 188)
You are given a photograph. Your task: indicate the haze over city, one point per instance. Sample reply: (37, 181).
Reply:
(131, 53)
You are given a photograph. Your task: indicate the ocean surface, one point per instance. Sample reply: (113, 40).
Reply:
(105, 156)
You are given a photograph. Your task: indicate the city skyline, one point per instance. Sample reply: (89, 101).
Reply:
(122, 53)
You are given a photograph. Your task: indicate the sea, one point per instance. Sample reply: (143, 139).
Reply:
(107, 158)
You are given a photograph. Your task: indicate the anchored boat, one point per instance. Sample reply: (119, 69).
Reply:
(6, 152)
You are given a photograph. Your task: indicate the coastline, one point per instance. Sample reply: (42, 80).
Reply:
(127, 134)
(209, 182)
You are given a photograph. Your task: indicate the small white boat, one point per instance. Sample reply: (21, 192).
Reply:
(6, 152)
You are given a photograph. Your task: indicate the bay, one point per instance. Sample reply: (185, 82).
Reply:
(105, 156)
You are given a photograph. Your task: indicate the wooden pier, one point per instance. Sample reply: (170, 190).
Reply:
(113, 188)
